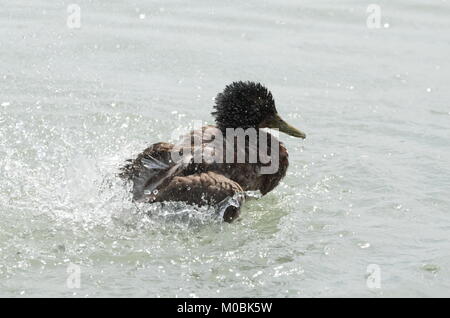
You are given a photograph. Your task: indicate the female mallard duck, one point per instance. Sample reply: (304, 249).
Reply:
(168, 172)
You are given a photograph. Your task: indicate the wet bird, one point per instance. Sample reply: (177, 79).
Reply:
(173, 172)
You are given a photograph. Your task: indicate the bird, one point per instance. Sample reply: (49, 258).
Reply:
(167, 172)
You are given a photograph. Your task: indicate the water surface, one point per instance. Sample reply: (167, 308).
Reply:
(370, 184)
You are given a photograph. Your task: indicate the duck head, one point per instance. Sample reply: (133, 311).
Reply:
(250, 105)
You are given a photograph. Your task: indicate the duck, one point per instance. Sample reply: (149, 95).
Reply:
(180, 172)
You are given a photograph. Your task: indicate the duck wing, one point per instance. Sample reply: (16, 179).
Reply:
(208, 188)
(151, 168)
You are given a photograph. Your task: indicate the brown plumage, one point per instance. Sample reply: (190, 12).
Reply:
(157, 177)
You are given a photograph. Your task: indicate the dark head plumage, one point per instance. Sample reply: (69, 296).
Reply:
(249, 105)
(243, 105)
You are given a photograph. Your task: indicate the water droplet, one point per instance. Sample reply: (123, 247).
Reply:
(364, 245)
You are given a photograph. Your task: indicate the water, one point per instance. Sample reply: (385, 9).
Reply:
(370, 184)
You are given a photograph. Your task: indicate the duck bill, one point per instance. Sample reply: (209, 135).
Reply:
(278, 123)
